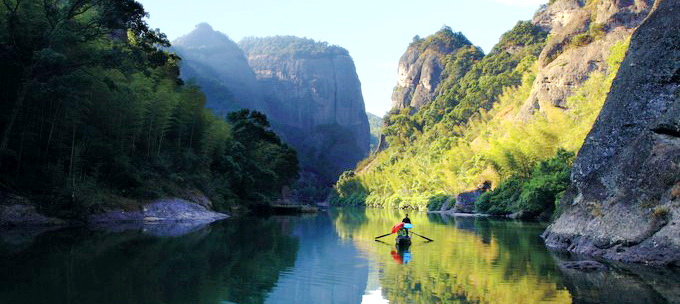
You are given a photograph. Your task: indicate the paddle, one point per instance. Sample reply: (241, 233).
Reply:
(384, 235)
(429, 239)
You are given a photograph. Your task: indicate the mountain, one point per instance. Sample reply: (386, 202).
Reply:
(581, 35)
(424, 65)
(220, 67)
(309, 91)
(623, 199)
(313, 98)
(510, 121)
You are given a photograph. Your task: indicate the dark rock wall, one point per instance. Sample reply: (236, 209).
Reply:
(624, 201)
(316, 104)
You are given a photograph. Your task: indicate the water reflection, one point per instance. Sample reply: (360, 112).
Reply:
(480, 260)
(471, 261)
(327, 269)
(327, 258)
(236, 260)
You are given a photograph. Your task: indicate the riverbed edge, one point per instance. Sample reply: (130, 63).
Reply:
(17, 211)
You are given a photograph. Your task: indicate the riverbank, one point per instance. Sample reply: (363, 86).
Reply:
(17, 211)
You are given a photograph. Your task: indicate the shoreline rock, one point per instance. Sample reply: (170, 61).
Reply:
(24, 214)
(19, 212)
(173, 209)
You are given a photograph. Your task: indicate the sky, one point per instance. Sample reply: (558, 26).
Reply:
(375, 32)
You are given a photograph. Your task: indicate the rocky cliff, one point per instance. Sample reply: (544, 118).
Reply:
(624, 200)
(309, 90)
(220, 67)
(422, 65)
(313, 98)
(582, 33)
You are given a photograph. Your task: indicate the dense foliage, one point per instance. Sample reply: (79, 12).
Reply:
(375, 123)
(444, 39)
(289, 46)
(472, 134)
(94, 111)
(531, 195)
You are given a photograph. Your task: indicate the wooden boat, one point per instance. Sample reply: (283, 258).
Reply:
(403, 241)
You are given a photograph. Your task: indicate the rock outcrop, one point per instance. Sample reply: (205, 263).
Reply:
(582, 33)
(18, 211)
(220, 68)
(314, 101)
(25, 215)
(421, 68)
(161, 210)
(465, 202)
(624, 200)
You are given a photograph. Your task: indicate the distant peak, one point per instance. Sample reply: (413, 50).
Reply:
(205, 36)
(204, 26)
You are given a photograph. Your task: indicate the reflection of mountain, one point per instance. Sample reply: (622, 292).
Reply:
(487, 262)
(225, 262)
(327, 269)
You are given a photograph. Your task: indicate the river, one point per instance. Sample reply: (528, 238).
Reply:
(330, 257)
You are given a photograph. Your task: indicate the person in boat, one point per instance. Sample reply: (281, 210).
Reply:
(402, 232)
(404, 228)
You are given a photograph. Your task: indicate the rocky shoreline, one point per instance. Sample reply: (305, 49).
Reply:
(19, 212)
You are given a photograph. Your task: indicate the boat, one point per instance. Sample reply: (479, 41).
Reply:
(403, 241)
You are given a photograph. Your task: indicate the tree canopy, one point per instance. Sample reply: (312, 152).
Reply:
(96, 113)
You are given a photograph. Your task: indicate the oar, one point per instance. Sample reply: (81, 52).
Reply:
(384, 235)
(429, 239)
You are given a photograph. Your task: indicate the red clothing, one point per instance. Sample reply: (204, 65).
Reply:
(396, 227)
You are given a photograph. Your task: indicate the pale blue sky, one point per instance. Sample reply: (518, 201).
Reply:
(376, 32)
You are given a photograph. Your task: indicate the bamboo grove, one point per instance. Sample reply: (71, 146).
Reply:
(94, 114)
(471, 135)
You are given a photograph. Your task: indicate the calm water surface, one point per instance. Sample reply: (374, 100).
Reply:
(325, 258)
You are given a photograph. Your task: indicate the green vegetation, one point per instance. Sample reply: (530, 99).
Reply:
(473, 133)
(531, 195)
(445, 38)
(289, 46)
(595, 31)
(97, 113)
(375, 123)
(467, 90)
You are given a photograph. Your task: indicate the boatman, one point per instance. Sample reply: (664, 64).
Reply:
(406, 226)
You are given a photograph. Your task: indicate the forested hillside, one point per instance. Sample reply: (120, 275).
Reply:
(94, 115)
(495, 122)
(375, 123)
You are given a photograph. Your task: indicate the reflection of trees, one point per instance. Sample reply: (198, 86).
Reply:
(236, 260)
(483, 261)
